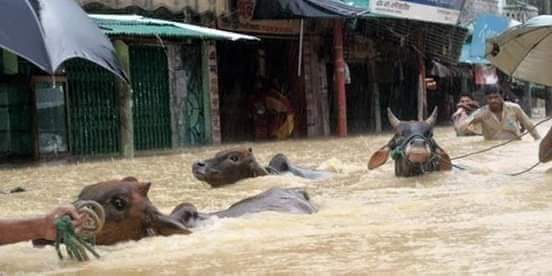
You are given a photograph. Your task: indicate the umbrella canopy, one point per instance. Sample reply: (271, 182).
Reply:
(49, 32)
(295, 9)
(524, 51)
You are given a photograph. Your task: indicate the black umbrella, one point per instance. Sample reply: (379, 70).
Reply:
(294, 9)
(49, 32)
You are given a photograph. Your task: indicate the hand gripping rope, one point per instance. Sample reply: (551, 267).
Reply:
(77, 243)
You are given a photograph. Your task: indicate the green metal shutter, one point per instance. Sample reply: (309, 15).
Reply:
(15, 116)
(93, 108)
(150, 84)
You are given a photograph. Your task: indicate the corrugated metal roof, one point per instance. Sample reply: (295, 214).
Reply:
(139, 26)
(358, 3)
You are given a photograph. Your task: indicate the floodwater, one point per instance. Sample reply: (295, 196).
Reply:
(475, 220)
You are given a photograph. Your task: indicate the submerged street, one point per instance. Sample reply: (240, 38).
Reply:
(473, 220)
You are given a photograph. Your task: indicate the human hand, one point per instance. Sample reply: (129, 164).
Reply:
(48, 226)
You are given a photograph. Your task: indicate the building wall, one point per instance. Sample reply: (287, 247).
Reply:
(211, 88)
(521, 13)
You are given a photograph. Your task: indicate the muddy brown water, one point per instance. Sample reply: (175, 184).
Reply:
(474, 220)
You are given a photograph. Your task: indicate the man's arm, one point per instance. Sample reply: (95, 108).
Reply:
(12, 231)
(526, 122)
(474, 118)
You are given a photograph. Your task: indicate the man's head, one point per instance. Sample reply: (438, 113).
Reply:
(494, 99)
(465, 99)
(467, 102)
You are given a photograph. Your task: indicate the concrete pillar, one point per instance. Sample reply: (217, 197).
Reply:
(126, 137)
(178, 92)
(375, 89)
(527, 99)
(422, 98)
(211, 91)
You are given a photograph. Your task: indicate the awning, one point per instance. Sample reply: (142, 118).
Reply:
(295, 9)
(484, 27)
(139, 26)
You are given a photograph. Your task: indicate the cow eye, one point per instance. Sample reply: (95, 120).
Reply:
(119, 203)
(234, 158)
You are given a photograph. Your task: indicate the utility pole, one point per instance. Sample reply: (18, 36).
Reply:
(340, 79)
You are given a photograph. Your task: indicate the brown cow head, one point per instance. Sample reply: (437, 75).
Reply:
(228, 167)
(412, 147)
(129, 213)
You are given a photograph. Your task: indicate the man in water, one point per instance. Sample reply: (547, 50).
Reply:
(500, 120)
(466, 106)
(12, 231)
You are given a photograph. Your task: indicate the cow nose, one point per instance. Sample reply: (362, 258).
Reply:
(417, 143)
(199, 164)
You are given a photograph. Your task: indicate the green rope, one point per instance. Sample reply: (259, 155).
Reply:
(76, 244)
(397, 153)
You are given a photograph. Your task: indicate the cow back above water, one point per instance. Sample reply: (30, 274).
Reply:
(130, 215)
(284, 200)
(412, 147)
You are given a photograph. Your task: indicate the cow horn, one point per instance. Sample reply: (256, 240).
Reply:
(433, 118)
(393, 120)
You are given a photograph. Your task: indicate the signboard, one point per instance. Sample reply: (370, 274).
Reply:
(437, 11)
(242, 21)
(485, 27)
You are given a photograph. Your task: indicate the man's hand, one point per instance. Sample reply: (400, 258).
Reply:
(48, 229)
(468, 107)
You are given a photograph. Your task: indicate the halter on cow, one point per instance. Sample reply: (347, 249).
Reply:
(412, 147)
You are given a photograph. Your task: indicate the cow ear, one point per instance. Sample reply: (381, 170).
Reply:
(166, 225)
(445, 164)
(379, 158)
(143, 188)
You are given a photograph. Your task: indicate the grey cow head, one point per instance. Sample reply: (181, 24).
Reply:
(412, 147)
